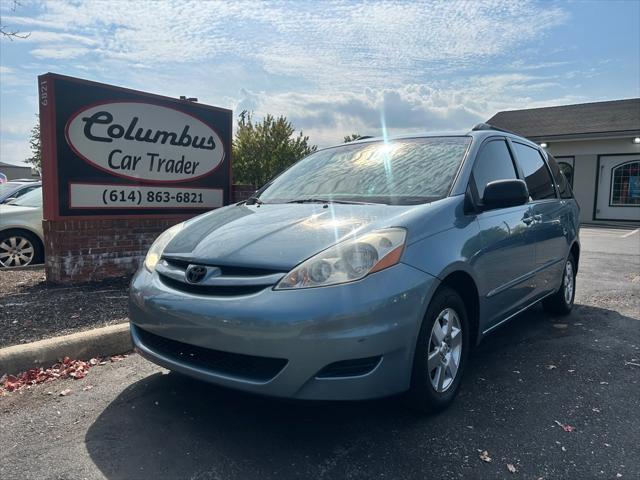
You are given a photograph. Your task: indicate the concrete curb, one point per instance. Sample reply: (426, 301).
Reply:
(99, 342)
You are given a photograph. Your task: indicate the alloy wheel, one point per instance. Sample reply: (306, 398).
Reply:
(568, 282)
(16, 251)
(445, 350)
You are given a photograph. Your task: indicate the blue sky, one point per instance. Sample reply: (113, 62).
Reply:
(333, 68)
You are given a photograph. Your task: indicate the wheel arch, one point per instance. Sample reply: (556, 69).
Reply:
(464, 284)
(575, 251)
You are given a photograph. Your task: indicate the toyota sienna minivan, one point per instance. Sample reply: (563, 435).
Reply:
(364, 270)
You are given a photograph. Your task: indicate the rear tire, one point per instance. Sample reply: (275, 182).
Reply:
(440, 354)
(561, 302)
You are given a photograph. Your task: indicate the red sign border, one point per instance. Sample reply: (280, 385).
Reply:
(49, 148)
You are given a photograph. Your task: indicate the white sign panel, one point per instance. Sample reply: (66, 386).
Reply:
(145, 142)
(84, 195)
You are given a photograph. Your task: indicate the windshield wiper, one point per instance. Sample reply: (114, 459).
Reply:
(325, 200)
(253, 201)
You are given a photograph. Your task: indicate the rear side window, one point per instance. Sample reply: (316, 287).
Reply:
(493, 163)
(536, 173)
(561, 179)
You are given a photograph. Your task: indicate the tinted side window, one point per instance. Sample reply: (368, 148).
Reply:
(493, 163)
(561, 179)
(536, 174)
(22, 191)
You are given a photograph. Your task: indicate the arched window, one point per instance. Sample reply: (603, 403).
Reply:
(567, 170)
(625, 184)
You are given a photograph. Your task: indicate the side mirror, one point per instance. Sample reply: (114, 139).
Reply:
(9, 200)
(505, 193)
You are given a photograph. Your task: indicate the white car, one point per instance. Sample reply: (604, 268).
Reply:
(21, 237)
(14, 189)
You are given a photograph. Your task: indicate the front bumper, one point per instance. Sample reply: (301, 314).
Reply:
(308, 329)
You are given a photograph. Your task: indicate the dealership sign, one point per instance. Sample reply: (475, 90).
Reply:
(113, 151)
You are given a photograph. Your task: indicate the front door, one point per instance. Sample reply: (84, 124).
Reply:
(618, 194)
(507, 260)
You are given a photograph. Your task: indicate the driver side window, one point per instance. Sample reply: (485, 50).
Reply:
(494, 162)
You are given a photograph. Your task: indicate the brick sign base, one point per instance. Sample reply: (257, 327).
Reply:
(87, 250)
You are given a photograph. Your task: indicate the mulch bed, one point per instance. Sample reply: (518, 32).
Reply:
(31, 309)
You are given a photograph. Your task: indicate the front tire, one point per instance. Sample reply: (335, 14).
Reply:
(561, 302)
(441, 353)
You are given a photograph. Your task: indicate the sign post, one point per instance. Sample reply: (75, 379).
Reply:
(119, 166)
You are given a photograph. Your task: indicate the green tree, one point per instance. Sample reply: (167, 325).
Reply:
(263, 149)
(35, 160)
(352, 138)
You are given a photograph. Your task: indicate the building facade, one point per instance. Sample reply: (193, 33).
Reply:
(598, 148)
(15, 171)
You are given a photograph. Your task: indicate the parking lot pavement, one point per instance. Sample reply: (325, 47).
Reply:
(523, 384)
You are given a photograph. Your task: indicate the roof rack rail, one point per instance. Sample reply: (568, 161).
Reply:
(487, 126)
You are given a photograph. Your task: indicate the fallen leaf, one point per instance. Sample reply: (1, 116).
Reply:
(566, 428)
(88, 387)
(594, 409)
(511, 468)
(65, 392)
(550, 367)
(570, 371)
(484, 456)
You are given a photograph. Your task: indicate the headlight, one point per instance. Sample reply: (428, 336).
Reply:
(155, 252)
(348, 261)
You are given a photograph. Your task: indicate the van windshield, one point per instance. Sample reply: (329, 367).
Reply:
(399, 172)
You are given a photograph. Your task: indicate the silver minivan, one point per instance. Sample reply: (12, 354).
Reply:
(364, 270)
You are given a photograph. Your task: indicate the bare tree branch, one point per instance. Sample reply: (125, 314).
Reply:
(12, 34)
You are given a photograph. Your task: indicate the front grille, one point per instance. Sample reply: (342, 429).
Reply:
(226, 271)
(349, 368)
(211, 289)
(249, 367)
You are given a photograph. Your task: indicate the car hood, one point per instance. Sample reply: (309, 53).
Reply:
(7, 210)
(278, 236)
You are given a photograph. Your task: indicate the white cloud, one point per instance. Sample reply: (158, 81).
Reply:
(39, 36)
(454, 106)
(59, 52)
(332, 69)
(342, 44)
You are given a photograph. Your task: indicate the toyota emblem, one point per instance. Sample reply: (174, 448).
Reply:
(195, 273)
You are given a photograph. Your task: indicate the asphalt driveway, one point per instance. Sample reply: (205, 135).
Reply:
(544, 397)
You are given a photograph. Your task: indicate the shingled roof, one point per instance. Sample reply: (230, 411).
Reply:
(617, 116)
